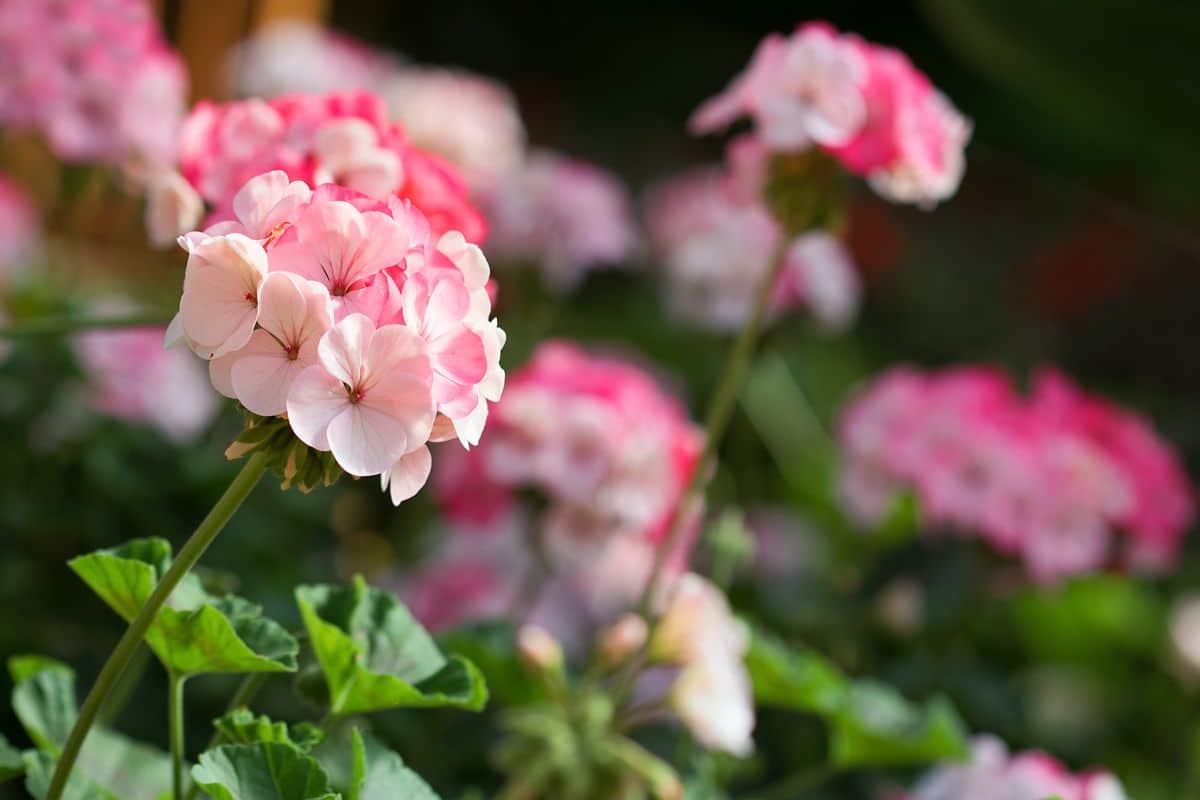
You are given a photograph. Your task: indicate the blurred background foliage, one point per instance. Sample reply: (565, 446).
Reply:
(1072, 241)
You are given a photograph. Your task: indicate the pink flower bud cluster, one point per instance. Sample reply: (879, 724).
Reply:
(342, 137)
(995, 774)
(864, 104)
(1069, 482)
(717, 242)
(563, 214)
(350, 315)
(95, 77)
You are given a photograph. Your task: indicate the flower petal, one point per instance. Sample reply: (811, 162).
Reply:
(408, 474)
(314, 401)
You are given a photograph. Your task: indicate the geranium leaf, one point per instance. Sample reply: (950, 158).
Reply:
(263, 771)
(12, 765)
(380, 774)
(243, 727)
(375, 656)
(109, 765)
(195, 632)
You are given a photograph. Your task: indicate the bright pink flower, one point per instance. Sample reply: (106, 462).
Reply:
(130, 376)
(993, 774)
(368, 399)
(97, 79)
(563, 215)
(865, 104)
(718, 241)
(340, 137)
(1067, 481)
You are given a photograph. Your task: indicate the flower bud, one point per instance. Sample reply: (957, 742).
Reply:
(538, 649)
(623, 638)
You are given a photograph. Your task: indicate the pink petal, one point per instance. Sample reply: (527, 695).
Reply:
(262, 374)
(366, 440)
(460, 356)
(281, 305)
(255, 200)
(219, 372)
(315, 399)
(343, 348)
(408, 475)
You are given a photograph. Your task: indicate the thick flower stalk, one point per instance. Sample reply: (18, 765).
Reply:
(352, 333)
(864, 105)
(1067, 481)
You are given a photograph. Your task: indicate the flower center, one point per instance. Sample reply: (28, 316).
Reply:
(355, 394)
(292, 351)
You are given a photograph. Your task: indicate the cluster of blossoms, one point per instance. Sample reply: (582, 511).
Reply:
(131, 377)
(342, 137)
(717, 241)
(97, 79)
(994, 774)
(566, 215)
(865, 105)
(353, 316)
(1069, 481)
(610, 454)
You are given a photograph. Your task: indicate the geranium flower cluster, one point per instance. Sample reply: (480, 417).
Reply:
(609, 453)
(350, 315)
(1068, 481)
(341, 137)
(717, 242)
(96, 78)
(864, 104)
(994, 774)
(566, 215)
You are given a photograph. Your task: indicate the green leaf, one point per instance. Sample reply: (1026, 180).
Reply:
(876, 726)
(375, 656)
(195, 632)
(43, 699)
(39, 768)
(870, 724)
(12, 765)
(109, 765)
(242, 727)
(492, 646)
(380, 774)
(263, 771)
(793, 678)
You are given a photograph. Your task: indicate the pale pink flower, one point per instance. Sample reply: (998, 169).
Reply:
(564, 215)
(130, 376)
(348, 152)
(172, 208)
(470, 120)
(994, 774)
(219, 306)
(368, 399)
(718, 241)
(800, 89)
(293, 315)
(693, 611)
(291, 56)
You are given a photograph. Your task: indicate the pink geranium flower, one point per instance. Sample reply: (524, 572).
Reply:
(368, 400)
(219, 306)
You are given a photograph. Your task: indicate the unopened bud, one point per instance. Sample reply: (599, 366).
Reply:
(623, 638)
(538, 649)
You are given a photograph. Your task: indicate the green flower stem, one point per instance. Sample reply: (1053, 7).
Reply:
(175, 721)
(59, 326)
(720, 410)
(121, 655)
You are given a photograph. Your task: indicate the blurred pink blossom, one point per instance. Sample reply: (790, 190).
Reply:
(994, 774)
(96, 77)
(1068, 481)
(19, 231)
(564, 215)
(130, 376)
(863, 103)
(341, 137)
(717, 241)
